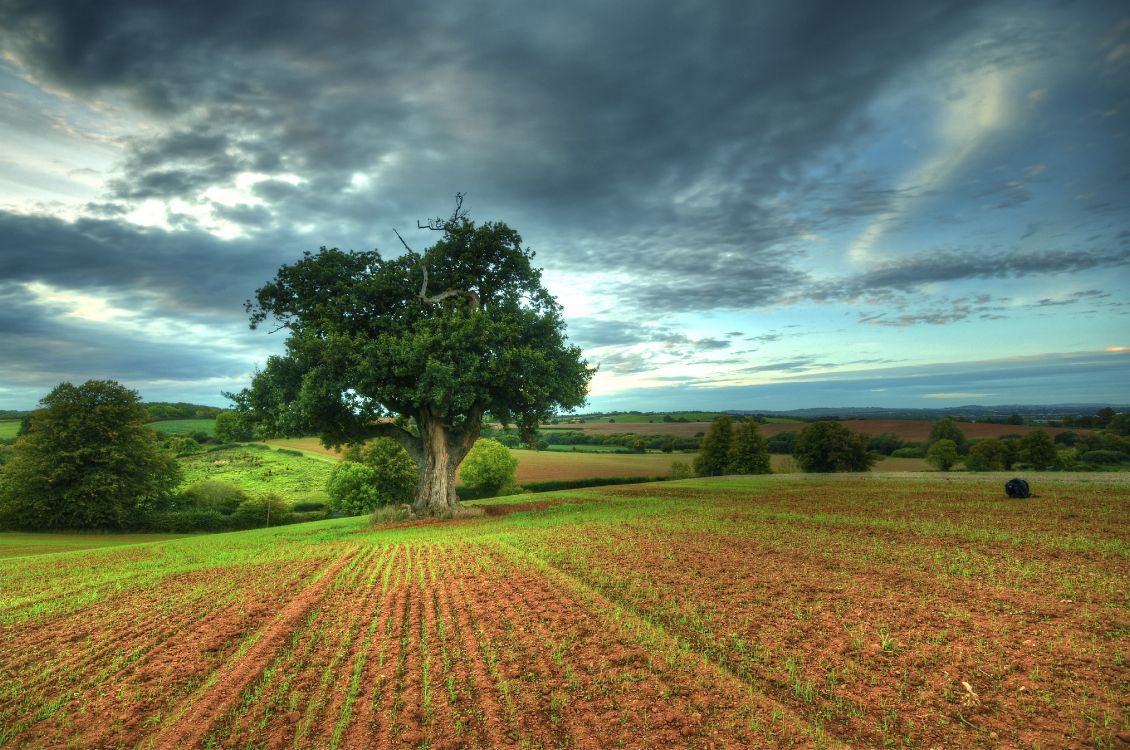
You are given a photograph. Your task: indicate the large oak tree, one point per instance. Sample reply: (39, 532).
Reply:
(416, 348)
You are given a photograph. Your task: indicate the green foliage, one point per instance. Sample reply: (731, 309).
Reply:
(1038, 450)
(987, 455)
(163, 410)
(947, 429)
(1120, 424)
(188, 521)
(212, 495)
(489, 467)
(748, 452)
(352, 489)
(394, 472)
(233, 427)
(1102, 457)
(258, 470)
(87, 462)
(680, 470)
(829, 446)
(200, 429)
(887, 443)
(943, 454)
(714, 457)
(782, 442)
(182, 445)
(260, 512)
(9, 429)
(371, 337)
(910, 451)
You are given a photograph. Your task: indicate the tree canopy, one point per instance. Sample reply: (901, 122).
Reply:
(829, 446)
(87, 461)
(375, 351)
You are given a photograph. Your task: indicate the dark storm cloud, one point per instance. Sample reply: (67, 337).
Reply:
(191, 271)
(597, 116)
(911, 273)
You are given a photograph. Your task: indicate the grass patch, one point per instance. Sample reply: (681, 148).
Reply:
(9, 428)
(257, 469)
(185, 426)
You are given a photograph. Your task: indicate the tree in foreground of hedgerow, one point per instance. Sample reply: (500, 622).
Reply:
(87, 461)
(352, 489)
(490, 467)
(394, 471)
(714, 456)
(943, 454)
(946, 429)
(829, 446)
(233, 427)
(748, 451)
(416, 348)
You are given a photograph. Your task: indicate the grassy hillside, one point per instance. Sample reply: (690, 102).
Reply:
(259, 469)
(173, 426)
(777, 612)
(9, 428)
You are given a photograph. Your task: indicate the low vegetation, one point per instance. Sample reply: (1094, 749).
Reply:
(622, 616)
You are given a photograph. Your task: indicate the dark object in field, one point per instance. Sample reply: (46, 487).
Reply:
(1018, 488)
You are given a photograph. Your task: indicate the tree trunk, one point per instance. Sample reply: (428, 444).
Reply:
(443, 451)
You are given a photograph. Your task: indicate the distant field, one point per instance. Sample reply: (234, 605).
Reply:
(15, 544)
(171, 426)
(907, 429)
(9, 428)
(777, 612)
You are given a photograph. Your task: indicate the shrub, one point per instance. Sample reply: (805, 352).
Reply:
(782, 442)
(714, 457)
(987, 455)
(233, 427)
(943, 454)
(909, 452)
(188, 521)
(680, 470)
(352, 489)
(308, 506)
(212, 495)
(394, 472)
(489, 467)
(1102, 457)
(1038, 451)
(886, 443)
(947, 429)
(257, 512)
(290, 452)
(748, 454)
(829, 446)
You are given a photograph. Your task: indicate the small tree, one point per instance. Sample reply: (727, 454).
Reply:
(395, 472)
(352, 489)
(987, 455)
(489, 467)
(829, 446)
(748, 452)
(714, 457)
(1038, 450)
(233, 427)
(947, 429)
(87, 462)
(943, 454)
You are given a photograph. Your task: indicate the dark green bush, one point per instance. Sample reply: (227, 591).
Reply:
(309, 506)
(291, 452)
(909, 452)
(1102, 457)
(188, 521)
(212, 494)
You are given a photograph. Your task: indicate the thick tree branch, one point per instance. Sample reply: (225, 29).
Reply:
(406, 439)
(435, 298)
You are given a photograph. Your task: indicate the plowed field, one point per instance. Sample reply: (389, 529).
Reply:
(734, 613)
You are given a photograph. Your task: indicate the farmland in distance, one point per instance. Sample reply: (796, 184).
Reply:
(765, 612)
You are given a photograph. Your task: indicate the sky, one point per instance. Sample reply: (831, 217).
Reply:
(761, 206)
